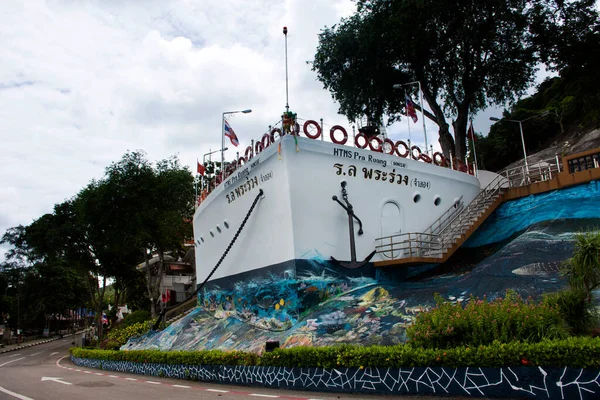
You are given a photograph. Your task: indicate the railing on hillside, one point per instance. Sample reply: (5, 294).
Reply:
(522, 175)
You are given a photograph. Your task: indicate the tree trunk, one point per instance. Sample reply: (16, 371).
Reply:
(446, 141)
(149, 287)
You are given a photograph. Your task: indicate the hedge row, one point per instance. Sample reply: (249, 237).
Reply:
(582, 352)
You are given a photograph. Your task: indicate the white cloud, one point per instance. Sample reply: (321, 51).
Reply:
(82, 82)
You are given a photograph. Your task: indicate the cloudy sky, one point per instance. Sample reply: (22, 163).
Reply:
(82, 82)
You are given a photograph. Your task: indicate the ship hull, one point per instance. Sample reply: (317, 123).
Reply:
(296, 218)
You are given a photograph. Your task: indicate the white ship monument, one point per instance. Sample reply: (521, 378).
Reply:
(304, 201)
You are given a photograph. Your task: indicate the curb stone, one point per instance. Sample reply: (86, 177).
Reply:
(5, 350)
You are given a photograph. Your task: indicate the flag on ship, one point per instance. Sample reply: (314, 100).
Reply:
(201, 169)
(410, 109)
(231, 134)
(471, 133)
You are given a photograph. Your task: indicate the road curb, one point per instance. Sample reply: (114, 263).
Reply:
(5, 350)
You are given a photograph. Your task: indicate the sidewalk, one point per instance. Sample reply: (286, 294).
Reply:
(29, 343)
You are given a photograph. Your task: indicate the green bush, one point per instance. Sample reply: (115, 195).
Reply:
(119, 335)
(483, 322)
(582, 352)
(134, 318)
(579, 314)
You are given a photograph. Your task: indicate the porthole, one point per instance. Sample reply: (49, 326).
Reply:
(226, 224)
(416, 197)
(456, 202)
(437, 200)
(212, 234)
(218, 229)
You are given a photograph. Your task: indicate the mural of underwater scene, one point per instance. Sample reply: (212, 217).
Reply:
(317, 303)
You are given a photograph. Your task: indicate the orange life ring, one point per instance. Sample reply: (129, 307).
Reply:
(406, 148)
(273, 131)
(361, 135)
(380, 143)
(306, 131)
(392, 146)
(438, 158)
(258, 147)
(266, 137)
(447, 163)
(425, 158)
(249, 153)
(338, 128)
(412, 152)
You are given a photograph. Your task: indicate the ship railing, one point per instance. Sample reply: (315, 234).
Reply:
(540, 171)
(275, 131)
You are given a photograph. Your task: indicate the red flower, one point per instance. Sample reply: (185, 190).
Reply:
(525, 361)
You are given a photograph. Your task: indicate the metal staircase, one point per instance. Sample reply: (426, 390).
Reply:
(438, 242)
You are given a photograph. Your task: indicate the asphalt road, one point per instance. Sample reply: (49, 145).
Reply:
(44, 372)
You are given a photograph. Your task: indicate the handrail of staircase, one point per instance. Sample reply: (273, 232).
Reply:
(438, 241)
(493, 186)
(456, 207)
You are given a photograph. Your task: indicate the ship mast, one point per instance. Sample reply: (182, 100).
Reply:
(287, 105)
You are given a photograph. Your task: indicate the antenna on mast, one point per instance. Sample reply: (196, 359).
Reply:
(287, 105)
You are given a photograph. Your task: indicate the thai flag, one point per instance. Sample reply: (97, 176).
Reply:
(104, 319)
(231, 134)
(410, 109)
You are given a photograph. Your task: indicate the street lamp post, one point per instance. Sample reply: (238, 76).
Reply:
(398, 86)
(211, 152)
(223, 138)
(520, 122)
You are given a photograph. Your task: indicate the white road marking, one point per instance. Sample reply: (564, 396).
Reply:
(154, 383)
(217, 390)
(8, 362)
(98, 373)
(14, 355)
(35, 354)
(262, 395)
(113, 376)
(58, 380)
(182, 386)
(56, 352)
(131, 379)
(13, 394)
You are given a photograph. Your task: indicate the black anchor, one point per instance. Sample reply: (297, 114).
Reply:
(348, 207)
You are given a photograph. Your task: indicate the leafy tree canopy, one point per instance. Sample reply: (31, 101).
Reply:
(467, 55)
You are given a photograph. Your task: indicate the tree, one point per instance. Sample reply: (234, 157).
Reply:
(155, 206)
(583, 269)
(468, 55)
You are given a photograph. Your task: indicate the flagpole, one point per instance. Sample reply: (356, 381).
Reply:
(473, 143)
(408, 124)
(423, 116)
(287, 105)
(223, 148)
(196, 185)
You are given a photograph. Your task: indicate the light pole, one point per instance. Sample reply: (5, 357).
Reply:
(520, 122)
(223, 139)
(398, 86)
(211, 152)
